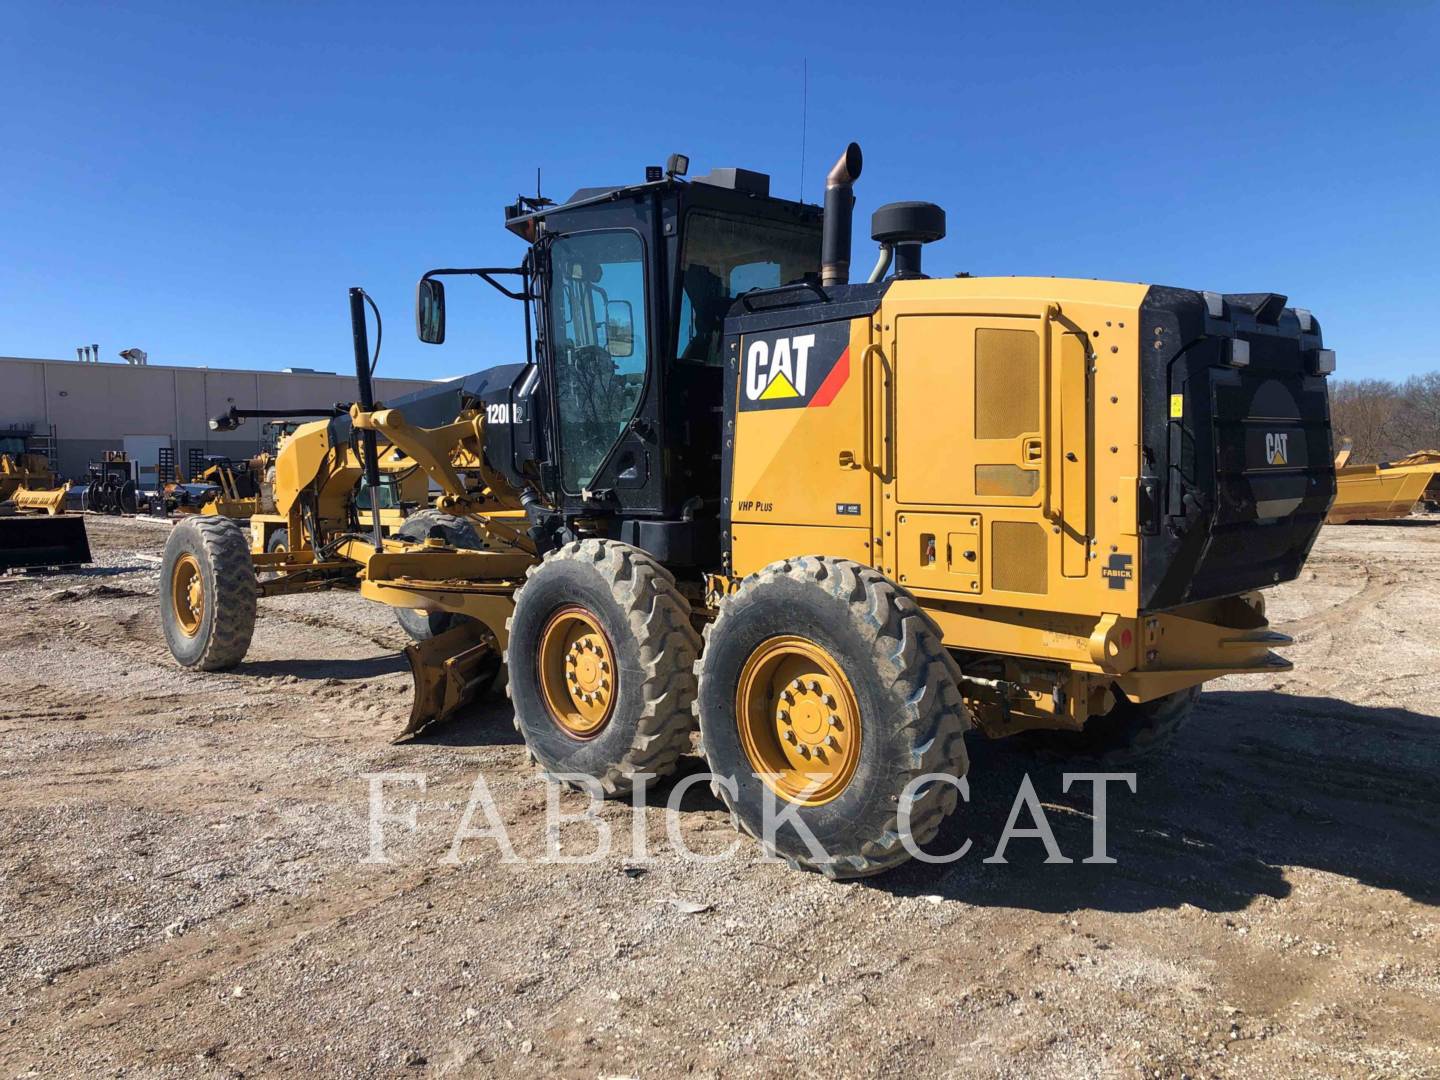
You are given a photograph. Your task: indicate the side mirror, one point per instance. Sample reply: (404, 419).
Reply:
(619, 328)
(430, 311)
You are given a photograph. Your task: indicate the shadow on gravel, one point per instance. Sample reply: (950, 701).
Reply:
(1398, 523)
(79, 571)
(1256, 782)
(490, 722)
(369, 668)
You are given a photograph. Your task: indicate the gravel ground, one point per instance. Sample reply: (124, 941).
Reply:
(185, 891)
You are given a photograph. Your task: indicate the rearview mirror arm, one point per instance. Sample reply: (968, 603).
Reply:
(484, 273)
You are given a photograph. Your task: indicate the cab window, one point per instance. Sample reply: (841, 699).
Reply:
(727, 256)
(597, 334)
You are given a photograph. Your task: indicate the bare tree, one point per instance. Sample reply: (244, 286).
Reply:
(1367, 411)
(1417, 422)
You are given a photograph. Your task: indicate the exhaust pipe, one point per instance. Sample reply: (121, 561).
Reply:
(839, 209)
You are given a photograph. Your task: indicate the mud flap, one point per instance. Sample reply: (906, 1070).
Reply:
(43, 541)
(449, 671)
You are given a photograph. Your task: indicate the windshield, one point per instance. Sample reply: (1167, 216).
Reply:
(725, 257)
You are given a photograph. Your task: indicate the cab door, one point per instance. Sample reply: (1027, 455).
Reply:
(601, 346)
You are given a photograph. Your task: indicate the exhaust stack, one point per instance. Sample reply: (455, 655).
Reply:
(839, 210)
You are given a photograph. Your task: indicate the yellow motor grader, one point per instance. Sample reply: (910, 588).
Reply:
(833, 525)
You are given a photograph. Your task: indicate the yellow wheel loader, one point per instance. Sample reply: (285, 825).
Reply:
(35, 531)
(834, 525)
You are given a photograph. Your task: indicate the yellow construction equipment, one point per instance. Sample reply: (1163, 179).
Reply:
(24, 471)
(28, 490)
(50, 502)
(1390, 490)
(834, 525)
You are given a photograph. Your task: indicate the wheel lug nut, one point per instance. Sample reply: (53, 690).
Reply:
(785, 716)
(804, 751)
(790, 737)
(835, 721)
(829, 701)
(832, 742)
(814, 686)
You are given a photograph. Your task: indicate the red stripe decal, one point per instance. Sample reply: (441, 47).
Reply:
(836, 379)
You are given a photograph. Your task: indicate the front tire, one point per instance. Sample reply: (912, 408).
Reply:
(207, 593)
(601, 664)
(459, 533)
(824, 686)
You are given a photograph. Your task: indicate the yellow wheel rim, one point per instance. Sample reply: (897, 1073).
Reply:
(799, 721)
(187, 594)
(577, 672)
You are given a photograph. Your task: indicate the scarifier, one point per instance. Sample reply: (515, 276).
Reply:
(833, 524)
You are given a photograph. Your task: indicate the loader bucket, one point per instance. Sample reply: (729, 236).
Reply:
(43, 541)
(449, 670)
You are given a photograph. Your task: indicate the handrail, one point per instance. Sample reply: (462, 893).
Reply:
(746, 296)
(1051, 444)
(867, 392)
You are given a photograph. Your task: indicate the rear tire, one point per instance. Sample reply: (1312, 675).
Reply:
(459, 533)
(1128, 732)
(207, 593)
(899, 681)
(610, 616)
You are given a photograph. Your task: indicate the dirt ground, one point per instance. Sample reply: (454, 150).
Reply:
(184, 891)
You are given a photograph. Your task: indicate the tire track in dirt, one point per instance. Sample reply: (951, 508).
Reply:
(171, 967)
(1371, 593)
(392, 643)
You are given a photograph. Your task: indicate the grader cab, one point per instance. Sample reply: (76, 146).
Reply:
(833, 525)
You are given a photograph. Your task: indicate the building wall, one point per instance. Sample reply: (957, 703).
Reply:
(94, 406)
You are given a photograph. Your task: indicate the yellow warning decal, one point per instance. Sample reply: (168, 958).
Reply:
(780, 387)
(1177, 406)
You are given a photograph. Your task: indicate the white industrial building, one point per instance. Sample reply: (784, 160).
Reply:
(94, 407)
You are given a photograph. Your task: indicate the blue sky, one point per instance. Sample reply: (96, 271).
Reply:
(205, 180)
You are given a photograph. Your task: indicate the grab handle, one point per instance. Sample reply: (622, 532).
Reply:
(868, 412)
(1051, 443)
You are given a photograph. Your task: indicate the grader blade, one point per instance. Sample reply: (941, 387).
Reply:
(450, 670)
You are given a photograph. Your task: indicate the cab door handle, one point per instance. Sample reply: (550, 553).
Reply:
(1034, 451)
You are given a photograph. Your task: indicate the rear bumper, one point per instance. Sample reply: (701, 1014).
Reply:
(1195, 644)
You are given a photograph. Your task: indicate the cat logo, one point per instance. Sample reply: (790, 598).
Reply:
(790, 369)
(778, 370)
(1277, 448)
